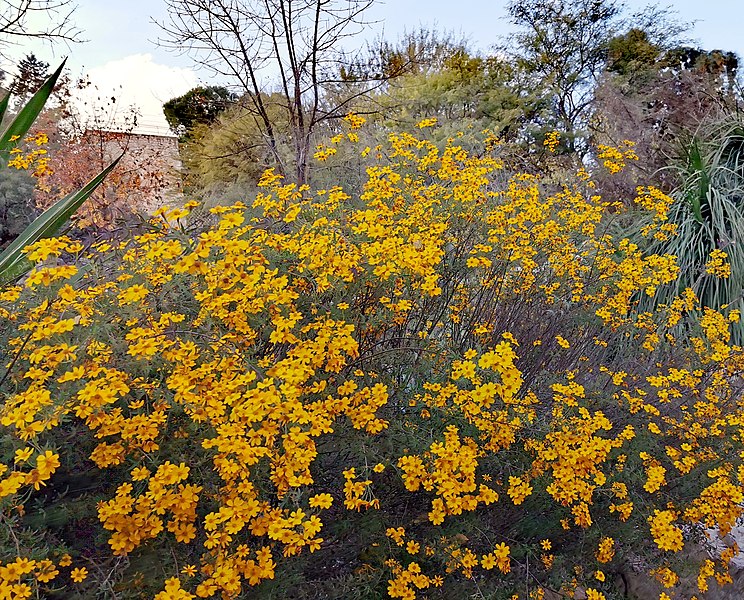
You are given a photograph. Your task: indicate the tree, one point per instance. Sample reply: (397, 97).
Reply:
(32, 73)
(465, 91)
(416, 52)
(243, 41)
(199, 106)
(18, 20)
(229, 153)
(660, 99)
(565, 46)
(631, 51)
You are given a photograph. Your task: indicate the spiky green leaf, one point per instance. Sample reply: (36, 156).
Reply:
(47, 224)
(4, 105)
(25, 118)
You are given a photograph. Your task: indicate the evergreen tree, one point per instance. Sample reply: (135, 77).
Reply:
(199, 106)
(32, 73)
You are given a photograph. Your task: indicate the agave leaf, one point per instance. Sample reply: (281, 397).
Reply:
(4, 106)
(47, 224)
(14, 271)
(26, 117)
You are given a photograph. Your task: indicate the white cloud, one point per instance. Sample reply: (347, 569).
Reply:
(134, 81)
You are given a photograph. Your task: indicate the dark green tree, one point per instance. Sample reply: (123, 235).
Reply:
(199, 106)
(32, 73)
(228, 155)
(416, 52)
(631, 52)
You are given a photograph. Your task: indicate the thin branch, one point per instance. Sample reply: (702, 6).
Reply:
(15, 23)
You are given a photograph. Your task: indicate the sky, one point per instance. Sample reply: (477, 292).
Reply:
(122, 59)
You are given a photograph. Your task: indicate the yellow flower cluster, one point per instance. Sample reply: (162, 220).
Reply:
(574, 454)
(21, 578)
(666, 535)
(13, 480)
(614, 158)
(135, 519)
(605, 550)
(448, 469)
(717, 265)
(407, 580)
(246, 386)
(551, 141)
(658, 204)
(36, 157)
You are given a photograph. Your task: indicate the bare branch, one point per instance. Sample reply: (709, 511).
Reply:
(292, 42)
(18, 22)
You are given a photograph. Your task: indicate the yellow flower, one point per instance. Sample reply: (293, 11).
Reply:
(551, 141)
(666, 535)
(518, 490)
(717, 265)
(321, 501)
(47, 463)
(501, 553)
(23, 455)
(46, 571)
(488, 561)
(655, 478)
(354, 121)
(132, 294)
(140, 473)
(174, 591)
(606, 550)
(427, 123)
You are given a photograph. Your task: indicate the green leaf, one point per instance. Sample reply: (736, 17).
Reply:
(699, 193)
(14, 271)
(47, 224)
(25, 118)
(4, 105)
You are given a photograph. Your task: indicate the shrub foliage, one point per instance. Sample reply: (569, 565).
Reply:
(437, 388)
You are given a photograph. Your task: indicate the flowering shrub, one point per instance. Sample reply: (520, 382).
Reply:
(433, 388)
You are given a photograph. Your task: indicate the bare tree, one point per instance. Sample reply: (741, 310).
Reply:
(297, 42)
(49, 20)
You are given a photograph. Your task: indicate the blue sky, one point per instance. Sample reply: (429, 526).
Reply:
(120, 52)
(117, 29)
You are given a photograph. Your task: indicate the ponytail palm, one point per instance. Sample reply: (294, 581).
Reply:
(708, 212)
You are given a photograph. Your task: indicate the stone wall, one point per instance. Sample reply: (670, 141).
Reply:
(152, 165)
